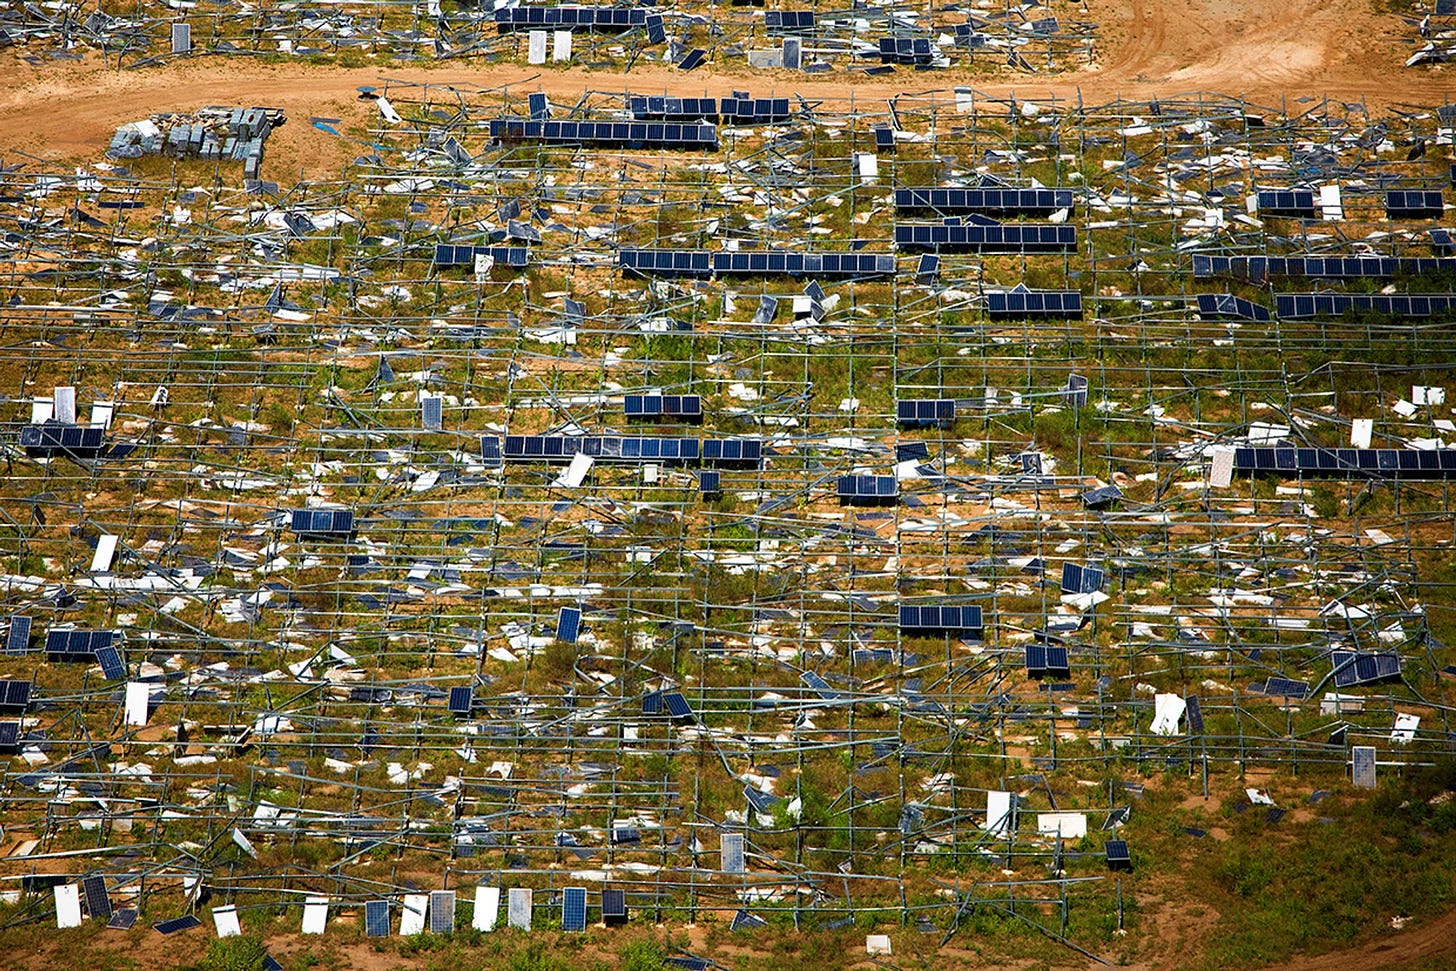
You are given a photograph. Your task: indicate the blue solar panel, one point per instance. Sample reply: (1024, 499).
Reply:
(905, 50)
(608, 133)
(1226, 305)
(461, 699)
(924, 412)
(53, 438)
(568, 624)
(1082, 579)
(955, 617)
(743, 920)
(549, 448)
(122, 919)
(1261, 268)
(788, 21)
(1022, 303)
(1353, 668)
(677, 705)
(868, 488)
(614, 906)
(1348, 463)
(183, 923)
(442, 911)
(490, 451)
(1007, 201)
(732, 451)
(667, 108)
(573, 909)
(695, 57)
(662, 406)
(1008, 238)
(15, 695)
(77, 645)
(112, 667)
(1118, 853)
(603, 19)
(1295, 306)
(1286, 688)
(1193, 711)
(816, 683)
(1286, 202)
(1101, 497)
(1414, 204)
(376, 918)
(17, 641)
(446, 254)
(98, 904)
(270, 963)
(322, 522)
(709, 482)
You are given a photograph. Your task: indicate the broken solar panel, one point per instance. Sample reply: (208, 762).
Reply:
(1229, 307)
(743, 920)
(1260, 268)
(603, 19)
(1193, 712)
(1101, 497)
(1305, 306)
(54, 438)
(618, 134)
(515, 257)
(1297, 203)
(376, 918)
(17, 639)
(112, 667)
(1286, 688)
(1347, 463)
(322, 522)
(1007, 201)
(677, 706)
(1008, 238)
(573, 909)
(868, 489)
(122, 919)
(954, 618)
(568, 624)
(925, 412)
(1077, 578)
(77, 645)
(1413, 204)
(1022, 303)
(688, 406)
(1354, 668)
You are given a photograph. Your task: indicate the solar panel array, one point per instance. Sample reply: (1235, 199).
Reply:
(55, 438)
(1009, 238)
(1286, 202)
(924, 412)
(1348, 463)
(788, 21)
(79, 645)
(663, 406)
(612, 134)
(1023, 303)
(1077, 578)
(1007, 201)
(905, 50)
(1414, 204)
(606, 448)
(1295, 306)
(17, 639)
(703, 264)
(570, 18)
(873, 488)
(447, 254)
(1047, 660)
(1228, 305)
(322, 522)
(1353, 668)
(956, 617)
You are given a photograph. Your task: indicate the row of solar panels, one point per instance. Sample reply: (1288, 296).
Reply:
(615, 448)
(705, 263)
(1400, 463)
(447, 254)
(958, 617)
(872, 488)
(1008, 201)
(1399, 203)
(322, 522)
(52, 437)
(925, 411)
(1294, 306)
(1010, 238)
(664, 405)
(905, 50)
(632, 134)
(1365, 267)
(573, 18)
(731, 111)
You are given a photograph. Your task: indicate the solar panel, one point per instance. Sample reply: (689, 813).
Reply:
(695, 57)
(1101, 497)
(55, 438)
(1362, 766)
(432, 412)
(1228, 306)
(601, 19)
(176, 924)
(270, 963)
(614, 906)
(9, 737)
(376, 918)
(1260, 268)
(322, 522)
(1118, 854)
(710, 482)
(17, 641)
(730, 850)
(15, 695)
(1193, 712)
(997, 238)
(98, 904)
(573, 909)
(1286, 688)
(1043, 660)
(123, 919)
(743, 920)
(1078, 579)
(112, 667)
(461, 699)
(677, 705)
(788, 21)
(442, 911)
(1353, 668)
(568, 624)
(448, 254)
